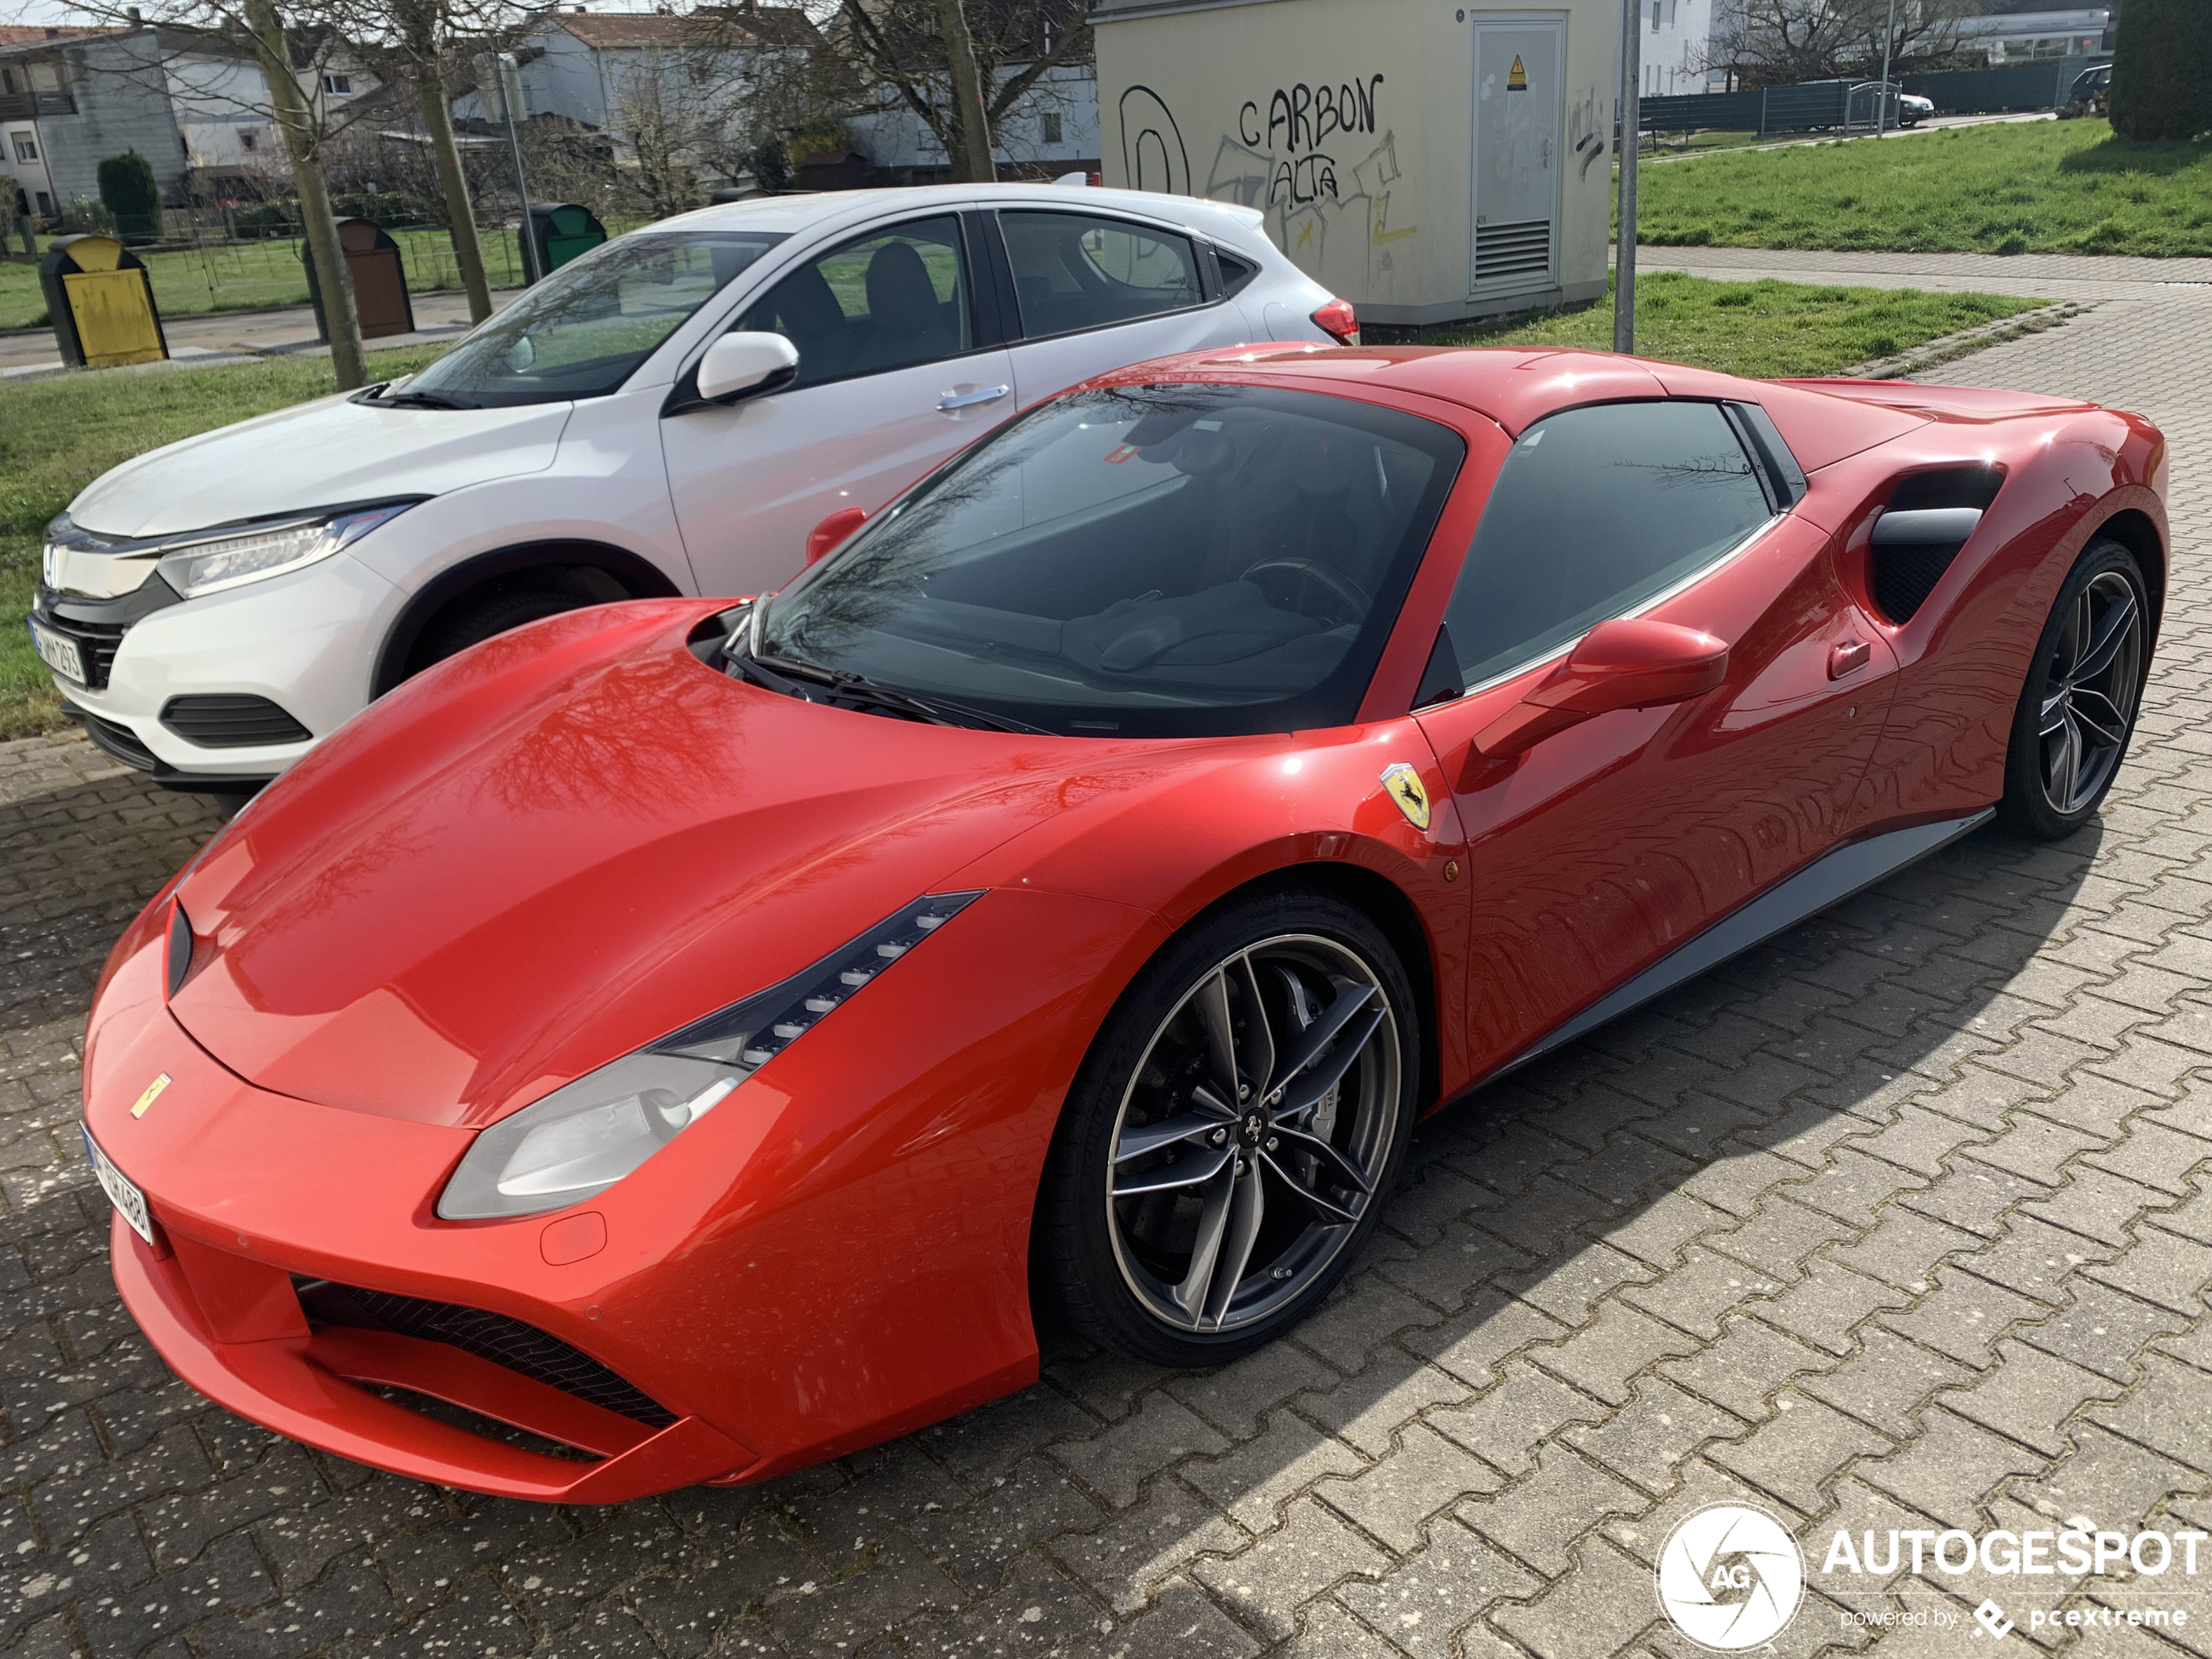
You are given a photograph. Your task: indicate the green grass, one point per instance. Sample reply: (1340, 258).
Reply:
(2032, 187)
(1765, 328)
(57, 435)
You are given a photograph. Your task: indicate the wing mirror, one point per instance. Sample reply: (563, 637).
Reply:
(1620, 664)
(745, 365)
(834, 532)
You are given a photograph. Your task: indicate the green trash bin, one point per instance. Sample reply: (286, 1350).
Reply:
(563, 232)
(101, 301)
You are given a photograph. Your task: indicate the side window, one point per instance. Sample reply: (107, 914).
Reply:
(1072, 271)
(888, 300)
(1596, 511)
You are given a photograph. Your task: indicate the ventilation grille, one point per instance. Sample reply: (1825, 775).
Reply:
(537, 1354)
(231, 722)
(1905, 576)
(1503, 253)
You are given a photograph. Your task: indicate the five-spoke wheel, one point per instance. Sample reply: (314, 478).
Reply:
(2084, 685)
(1234, 1131)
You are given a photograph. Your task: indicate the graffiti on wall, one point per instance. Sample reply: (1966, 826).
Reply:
(1316, 157)
(1585, 137)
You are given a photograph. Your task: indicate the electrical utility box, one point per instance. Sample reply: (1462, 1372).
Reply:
(1432, 163)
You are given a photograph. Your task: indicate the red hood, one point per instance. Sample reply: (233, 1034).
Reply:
(566, 843)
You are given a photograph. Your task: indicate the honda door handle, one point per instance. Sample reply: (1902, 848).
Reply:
(969, 400)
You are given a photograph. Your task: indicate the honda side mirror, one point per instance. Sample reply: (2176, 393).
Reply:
(745, 365)
(834, 532)
(1620, 664)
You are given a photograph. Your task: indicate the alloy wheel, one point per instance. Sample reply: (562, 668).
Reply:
(1252, 1133)
(2089, 697)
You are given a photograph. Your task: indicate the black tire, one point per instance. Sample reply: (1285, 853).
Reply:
(2073, 700)
(1301, 1213)
(473, 621)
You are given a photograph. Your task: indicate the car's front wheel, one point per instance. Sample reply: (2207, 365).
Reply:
(2084, 688)
(1231, 1133)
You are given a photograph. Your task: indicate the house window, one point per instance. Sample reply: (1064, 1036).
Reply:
(45, 206)
(338, 85)
(1050, 124)
(45, 78)
(26, 147)
(248, 140)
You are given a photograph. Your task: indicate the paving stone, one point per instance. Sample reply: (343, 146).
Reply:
(1470, 1344)
(2163, 1269)
(1183, 1622)
(1949, 1470)
(1797, 1450)
(1745, 1367)
(1886, 1382)
(1597, 1609)
(1255, 1478)
(1423, 1604)
(1424, 1476)
(2170, 1413)
(1702, 1293)
(1368, 1410)
(1536, 1520)
(1035, 1501)
(1507, 1425)
(1647, 1440)
(1116, 1463)
(1606, 1359)
(1270, 1581)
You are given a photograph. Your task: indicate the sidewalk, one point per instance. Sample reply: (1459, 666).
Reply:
(244, 335)
(2094, 279)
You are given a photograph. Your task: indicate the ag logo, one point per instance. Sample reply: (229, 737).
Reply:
(1731, 1577)
(1405, 787)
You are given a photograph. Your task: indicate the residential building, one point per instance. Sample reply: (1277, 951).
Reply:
(1676, 48)
(69, 99)
(1051, 129)
(2024, 36)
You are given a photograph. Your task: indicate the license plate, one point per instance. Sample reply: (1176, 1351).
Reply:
(59, 654)
(121, 1190)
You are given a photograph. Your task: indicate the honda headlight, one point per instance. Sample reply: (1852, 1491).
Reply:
(586, 1136)
(253, 553)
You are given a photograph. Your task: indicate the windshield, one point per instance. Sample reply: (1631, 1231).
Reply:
(581, 332)
(1165, 561)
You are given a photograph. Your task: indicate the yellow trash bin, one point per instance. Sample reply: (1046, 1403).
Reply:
(100, 299)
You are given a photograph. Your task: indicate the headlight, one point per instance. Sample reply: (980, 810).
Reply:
(586, 1136)
(251, 554)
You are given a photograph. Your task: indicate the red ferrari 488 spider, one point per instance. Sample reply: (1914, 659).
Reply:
(702, 1036)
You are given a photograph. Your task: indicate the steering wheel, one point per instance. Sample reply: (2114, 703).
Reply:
(1303, 577)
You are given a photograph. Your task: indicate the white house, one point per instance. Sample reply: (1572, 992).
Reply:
(1052, 127)
(1676, 42)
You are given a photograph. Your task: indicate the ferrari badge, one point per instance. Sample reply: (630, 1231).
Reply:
(1405, 787)
(154, 1089)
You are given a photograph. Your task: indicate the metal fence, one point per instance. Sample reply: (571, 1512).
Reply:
(1850, 106)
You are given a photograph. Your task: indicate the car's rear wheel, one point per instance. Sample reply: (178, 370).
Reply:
(1229, 1138)
(2084, 690)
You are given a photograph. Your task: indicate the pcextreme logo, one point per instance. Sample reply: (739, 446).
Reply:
(1731, 1577)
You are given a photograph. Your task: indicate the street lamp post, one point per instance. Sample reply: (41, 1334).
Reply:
(1882, 97)
(1624, 261)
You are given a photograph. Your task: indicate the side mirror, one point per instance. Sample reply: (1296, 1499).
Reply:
(834, 532)
(1619, 664)
(741, 365)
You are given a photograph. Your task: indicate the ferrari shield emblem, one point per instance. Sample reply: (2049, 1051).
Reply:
(1405, 787)
(154, 1089)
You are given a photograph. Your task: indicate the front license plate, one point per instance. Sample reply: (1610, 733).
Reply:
(121, 1190)
(59, 654)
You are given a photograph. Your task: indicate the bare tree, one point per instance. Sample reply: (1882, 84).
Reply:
(667, 115)
(423, 28)
(947, 60)
(1773, 42)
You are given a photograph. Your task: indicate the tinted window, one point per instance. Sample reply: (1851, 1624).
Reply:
(889, 300)
(1596, 511)
(581, 332)
(1072, 271)
(1155, 561)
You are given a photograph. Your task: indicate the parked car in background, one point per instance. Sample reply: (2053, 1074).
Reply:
(2090, 94)
(1912, 108)
(212, 609)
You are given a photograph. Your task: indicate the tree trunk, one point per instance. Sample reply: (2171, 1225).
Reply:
(973, 165)
(461, 217)
(2162, 70)
(296, 120)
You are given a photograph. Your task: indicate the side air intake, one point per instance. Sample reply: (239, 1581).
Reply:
(1930, 517)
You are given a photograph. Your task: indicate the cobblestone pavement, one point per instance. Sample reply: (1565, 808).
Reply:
(2048, 276)
(1897, 1222)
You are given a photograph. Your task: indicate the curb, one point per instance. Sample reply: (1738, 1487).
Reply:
(1966, 342)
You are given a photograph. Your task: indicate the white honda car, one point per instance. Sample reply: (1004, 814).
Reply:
(674, 412)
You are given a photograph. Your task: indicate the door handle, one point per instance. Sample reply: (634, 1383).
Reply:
(1848, 658)
(969, 400)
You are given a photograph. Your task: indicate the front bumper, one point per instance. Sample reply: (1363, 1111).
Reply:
(303, 645)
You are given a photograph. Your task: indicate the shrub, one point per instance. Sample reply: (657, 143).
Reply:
(2162, 70)
(130, 196)
(87, 215)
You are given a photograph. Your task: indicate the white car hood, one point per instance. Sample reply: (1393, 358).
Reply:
(324, 454)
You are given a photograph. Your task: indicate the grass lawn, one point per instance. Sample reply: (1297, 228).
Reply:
(57, 435)
(1765, 328)
(2032, 187)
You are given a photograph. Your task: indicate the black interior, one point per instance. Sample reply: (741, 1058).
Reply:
(1060, 289)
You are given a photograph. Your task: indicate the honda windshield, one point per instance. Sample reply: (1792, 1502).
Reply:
(582, 331)
(1149, 560)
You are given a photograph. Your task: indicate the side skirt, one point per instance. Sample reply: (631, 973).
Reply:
(1827, 880)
